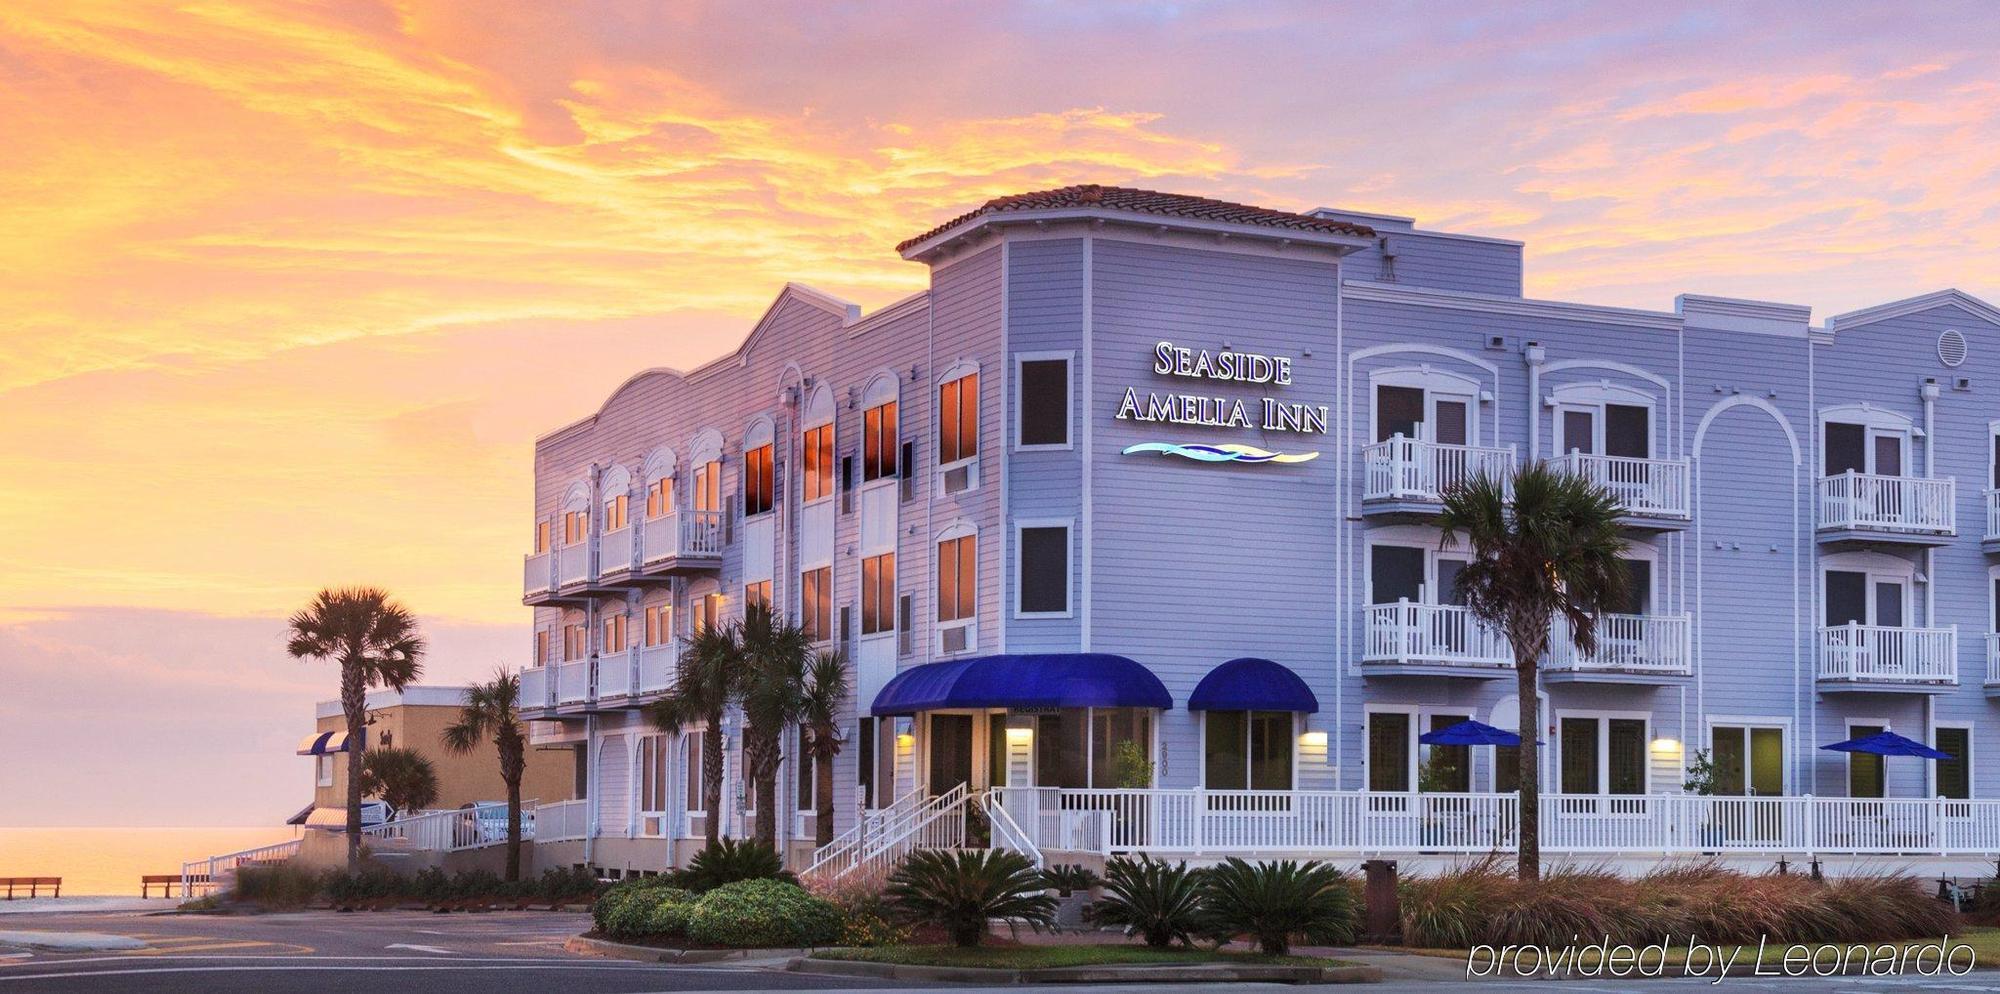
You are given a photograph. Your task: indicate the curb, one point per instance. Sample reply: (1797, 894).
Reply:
(1215, 973)
(656, 954)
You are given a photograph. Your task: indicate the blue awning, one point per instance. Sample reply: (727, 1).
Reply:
(326, 743)
(1252, 684)
(1042, 680)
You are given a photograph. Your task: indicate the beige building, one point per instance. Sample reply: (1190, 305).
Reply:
(415, 718)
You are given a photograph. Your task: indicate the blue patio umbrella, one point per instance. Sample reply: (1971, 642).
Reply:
(1888, 743)
(1470, 733)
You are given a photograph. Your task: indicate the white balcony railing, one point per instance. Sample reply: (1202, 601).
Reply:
(1993, 660)
(1992, 515)
(1407, 632)
(1245, 822)
(614, 551)
(537, 691)
(538, 573)
(614, 674)
(681, 534)
(1654, 488)
(657, 668)
(1408, 469)
(573, 681)
(572, 564)
(1874, 654)
(1627, 643)
(1887, 503)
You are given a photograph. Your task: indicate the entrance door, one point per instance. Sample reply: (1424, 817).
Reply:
(1864, 770)
(1422, 415)
(951, 752)
(1749, 762)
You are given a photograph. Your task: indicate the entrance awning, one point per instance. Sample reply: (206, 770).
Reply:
(1041, 680)
(1252, 684)
(326, 743)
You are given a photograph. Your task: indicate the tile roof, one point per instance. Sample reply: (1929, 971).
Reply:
(1125, 199)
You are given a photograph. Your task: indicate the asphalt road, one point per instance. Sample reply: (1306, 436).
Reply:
(521, 953)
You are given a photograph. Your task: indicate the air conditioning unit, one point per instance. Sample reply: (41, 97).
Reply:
(959, 477)
(955, 637)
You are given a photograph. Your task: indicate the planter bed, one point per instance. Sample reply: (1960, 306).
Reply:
(1079, 964)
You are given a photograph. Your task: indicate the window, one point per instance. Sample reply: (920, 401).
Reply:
(1954, 775)
(807, 777)
(958, 419)
(1856, 448)
(576, 641)
(691, 747)
(541, 537)
(707, 612)
(816, 603)
(1044, 569)
(1247, 750)
(576, 526)
(708, 486)
(1444, 416)
(659, 624)
(958, 584)
(757, 481)
(878, 594)
(1748, 760)
(541, 647)
(876, 771)
(614, 633)
(865, 767)
(652, 785)
(1447, 768)
(1608, 429)
(1042, 402)
(325, 765)
(818, 459)
(660, 497)
(616, 513)
(1388, 751)
(878, 442)
(757, 595)
(1121, 747)
(1603, 756)
(1864, 769)
(1854, 597)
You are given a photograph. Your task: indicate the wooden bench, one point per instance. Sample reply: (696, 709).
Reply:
(33, 884)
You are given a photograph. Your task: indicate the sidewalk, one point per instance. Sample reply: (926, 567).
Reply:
(1394, 964)
(80, 905)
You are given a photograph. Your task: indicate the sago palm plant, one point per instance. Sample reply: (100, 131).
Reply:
(961, 890)
(710, 673)
(1550, 548)
(376, 642)
(493, 710)
(1159, 901)
(1271, 902)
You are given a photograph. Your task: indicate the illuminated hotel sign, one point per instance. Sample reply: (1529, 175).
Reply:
(1213, 411)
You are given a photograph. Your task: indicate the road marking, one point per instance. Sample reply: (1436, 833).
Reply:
(422, 949)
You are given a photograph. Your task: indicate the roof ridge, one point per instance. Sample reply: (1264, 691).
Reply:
(1137, 200)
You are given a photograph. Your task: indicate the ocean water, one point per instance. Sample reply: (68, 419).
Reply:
(99, 860)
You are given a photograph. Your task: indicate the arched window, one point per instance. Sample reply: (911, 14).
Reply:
(957, 588)
(659, 482)
(878, 429)
(616, 487)
(816, 446)
(758, 468)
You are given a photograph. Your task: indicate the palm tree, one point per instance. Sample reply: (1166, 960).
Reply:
(710, 672)
(402, 778)
(826, 693)
(1555, 551)
(773, 695)
(493, 709)
(376, 642)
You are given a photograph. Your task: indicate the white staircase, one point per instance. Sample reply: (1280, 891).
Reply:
(881, 839)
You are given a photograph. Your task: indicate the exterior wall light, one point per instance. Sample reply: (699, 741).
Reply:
(1667, 747)
(1020, 735)
(905, 740)
(1313, 740)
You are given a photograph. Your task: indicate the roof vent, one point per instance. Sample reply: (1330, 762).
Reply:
(1951, 347)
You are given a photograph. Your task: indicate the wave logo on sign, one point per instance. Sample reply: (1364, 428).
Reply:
(1221, 453)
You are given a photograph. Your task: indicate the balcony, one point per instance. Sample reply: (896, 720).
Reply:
(658, 665)
(1874, 658)
(681, 542)
(614, 676)
(1405, 476)
(1656, 493)
(1865, 507)
(1990, 539)
(556, 576)
(1993, 665)
(617, 552)
(538, 576)
(1631, 648)
(1409, 639)
(537, 691)
(572, 682)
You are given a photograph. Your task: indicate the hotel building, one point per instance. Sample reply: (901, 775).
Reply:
(1124, 524)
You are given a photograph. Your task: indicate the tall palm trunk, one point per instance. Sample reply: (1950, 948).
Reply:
(1530, 725)
(711, 778)
(822, 797)
(760, 762)
(513, 762)
(354, 707)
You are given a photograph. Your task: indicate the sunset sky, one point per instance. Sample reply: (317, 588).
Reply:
(288, 289)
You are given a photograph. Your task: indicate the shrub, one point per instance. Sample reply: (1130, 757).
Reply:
(1274, 901)
(729, 861)
(668, 910)
(866, 916)
(475, 887)
(562, 886)
(1152, 899)
(761, 914)
(1068, 878)
(962, 890)
(430, 886)
(280, 885)
(1448, 911)
(371, 885)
